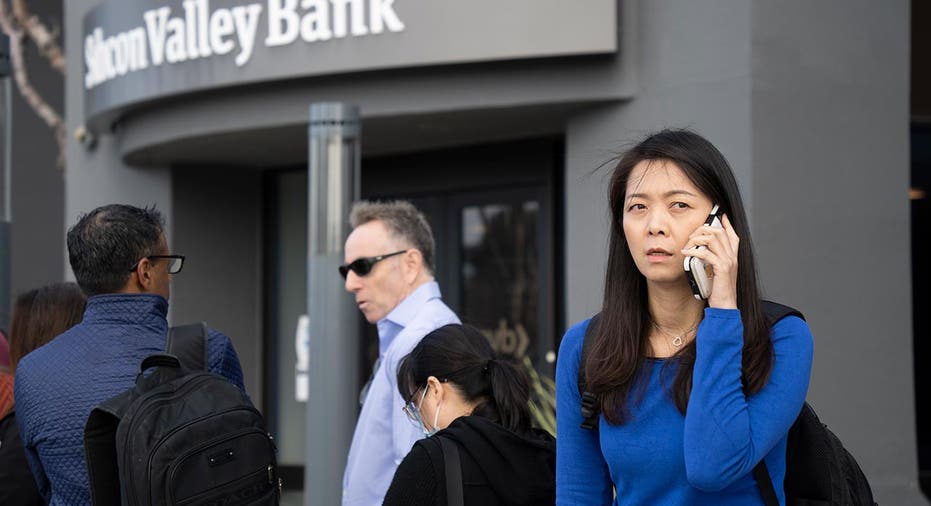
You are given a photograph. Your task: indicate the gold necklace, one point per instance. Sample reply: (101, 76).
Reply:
(676, 339)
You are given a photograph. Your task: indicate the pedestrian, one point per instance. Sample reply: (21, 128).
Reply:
(120, 257)
(6, 375)
(390, 271)
(38, 316)
(457, 389)
(692, 393)
(4, 351)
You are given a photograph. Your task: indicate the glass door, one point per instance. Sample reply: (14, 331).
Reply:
(504, 281)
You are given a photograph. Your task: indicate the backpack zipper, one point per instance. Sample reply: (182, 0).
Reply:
(172, 432)
(174, 468)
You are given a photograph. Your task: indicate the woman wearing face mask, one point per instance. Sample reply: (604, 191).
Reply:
(692, 393)
(457, 389)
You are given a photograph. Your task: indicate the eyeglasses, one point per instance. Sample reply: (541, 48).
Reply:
(175, 262)
(413, 410)
(363, 266)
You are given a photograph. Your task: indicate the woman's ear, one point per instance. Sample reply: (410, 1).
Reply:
(435, 388)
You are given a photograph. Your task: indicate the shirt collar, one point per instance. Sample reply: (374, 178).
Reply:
(403, 313)
(126, 308)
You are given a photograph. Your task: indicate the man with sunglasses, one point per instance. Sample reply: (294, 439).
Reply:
(119, 255)
(389, 270)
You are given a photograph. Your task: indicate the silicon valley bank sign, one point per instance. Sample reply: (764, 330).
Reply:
(140, 51)
(168, 37)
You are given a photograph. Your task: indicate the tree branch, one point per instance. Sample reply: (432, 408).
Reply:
(29, 93)
(44, 39)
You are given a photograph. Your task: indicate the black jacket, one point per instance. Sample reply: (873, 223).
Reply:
(17, 486)
(498, 467)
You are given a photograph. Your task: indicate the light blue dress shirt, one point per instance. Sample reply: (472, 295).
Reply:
(384, 435)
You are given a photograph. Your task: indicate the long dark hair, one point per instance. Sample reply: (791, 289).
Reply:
(616, 359)
(462, 356)
(41, 314)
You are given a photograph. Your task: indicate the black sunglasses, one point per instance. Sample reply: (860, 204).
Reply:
(363, 266)
(175, 262)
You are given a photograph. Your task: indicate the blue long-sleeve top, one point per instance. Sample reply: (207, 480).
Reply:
(660, 456)
(57, 385)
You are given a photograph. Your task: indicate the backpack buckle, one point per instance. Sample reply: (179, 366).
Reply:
(589, 410)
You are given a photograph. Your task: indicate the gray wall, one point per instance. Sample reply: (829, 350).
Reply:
(37, 183)
(831, 176)
(218, 219)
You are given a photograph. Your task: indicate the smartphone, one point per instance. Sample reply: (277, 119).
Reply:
(699, 274)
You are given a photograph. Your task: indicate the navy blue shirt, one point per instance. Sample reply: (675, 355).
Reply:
(59, 384)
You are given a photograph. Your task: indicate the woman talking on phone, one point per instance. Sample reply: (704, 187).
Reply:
(691, 393)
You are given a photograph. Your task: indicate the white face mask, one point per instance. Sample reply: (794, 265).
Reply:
(436, 418)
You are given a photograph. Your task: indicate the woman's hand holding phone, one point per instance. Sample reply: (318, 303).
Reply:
(720, 253)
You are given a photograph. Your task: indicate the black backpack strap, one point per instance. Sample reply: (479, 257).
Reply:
(189, 344)
(100, 451)
(589, 400)
(774, 312)
(434, 450)
(454, 495)
(761, 474)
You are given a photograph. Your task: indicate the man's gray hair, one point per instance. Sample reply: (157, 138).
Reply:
(403, 221)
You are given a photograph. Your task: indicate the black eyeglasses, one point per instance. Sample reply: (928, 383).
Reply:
(175, 262)
(363, 266)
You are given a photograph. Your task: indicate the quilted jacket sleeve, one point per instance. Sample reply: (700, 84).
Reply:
(222, 358)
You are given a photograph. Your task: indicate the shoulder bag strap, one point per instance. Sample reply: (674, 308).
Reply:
(454, 495)
(189, 344)
(103, 475)
(590, 405)
(774, 312)
(761, 474)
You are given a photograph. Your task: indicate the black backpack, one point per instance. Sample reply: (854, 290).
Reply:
(181, 436)
(819, 470)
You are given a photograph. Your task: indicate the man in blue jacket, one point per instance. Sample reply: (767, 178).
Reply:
(120, 258)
